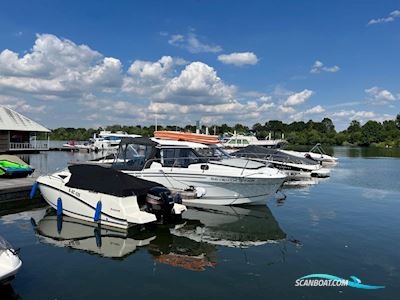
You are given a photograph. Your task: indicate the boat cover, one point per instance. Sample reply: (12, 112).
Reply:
(260, 152)
(107, 181)
(138, 140)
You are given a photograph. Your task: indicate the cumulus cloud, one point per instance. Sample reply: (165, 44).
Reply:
(239, 58)
(199, 83)
(286, 109)
(311, 111)
(55, 66)
(192, 43)
(390, 18)
(21, 105)
(298, 98)
(146, 78)
(377, 95)
(319, 67)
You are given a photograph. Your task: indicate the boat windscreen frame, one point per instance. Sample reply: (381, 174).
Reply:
(137, 162)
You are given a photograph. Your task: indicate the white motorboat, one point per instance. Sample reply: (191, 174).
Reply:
(9, 261)
(295, 167)
(97, 194)
(220, 180)
(64, 231)
(316, 153)
(237, 141)
(107, 140)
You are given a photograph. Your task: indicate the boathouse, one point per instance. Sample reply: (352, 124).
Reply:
(20, 134)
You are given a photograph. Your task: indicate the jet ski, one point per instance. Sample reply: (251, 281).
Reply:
(12, 166)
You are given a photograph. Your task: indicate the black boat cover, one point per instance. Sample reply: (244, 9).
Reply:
(253, 151)
(107, 181)
(138, 140)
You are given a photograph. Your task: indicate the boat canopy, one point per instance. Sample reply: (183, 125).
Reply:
(137, 140)
(107, 181)
(260, 152)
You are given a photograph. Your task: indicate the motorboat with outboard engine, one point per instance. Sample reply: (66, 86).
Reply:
(316, 153)
(12, 166)
(9, 261)
(221, 180)
(295, 167)
(99, 194)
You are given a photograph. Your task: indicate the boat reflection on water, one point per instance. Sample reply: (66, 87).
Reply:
(64, 231)
(192, 244)
(8, 292)
(230, 226)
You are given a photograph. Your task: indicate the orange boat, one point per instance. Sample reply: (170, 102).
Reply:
(187, 136)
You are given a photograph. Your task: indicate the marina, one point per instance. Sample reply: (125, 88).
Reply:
(241, 247)
(199, 150)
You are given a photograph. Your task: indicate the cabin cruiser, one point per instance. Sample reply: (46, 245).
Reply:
(220, 180)
(238, 141)
(9, 261)
(316, 153)
(107, 140)
(103, 195)
(64, 231)
(295, 167)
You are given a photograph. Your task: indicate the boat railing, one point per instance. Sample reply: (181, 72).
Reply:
(264, 157)
(185, 162)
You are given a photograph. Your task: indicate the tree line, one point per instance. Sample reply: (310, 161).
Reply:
(380, 134)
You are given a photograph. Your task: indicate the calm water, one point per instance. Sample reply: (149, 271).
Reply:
(346, 225)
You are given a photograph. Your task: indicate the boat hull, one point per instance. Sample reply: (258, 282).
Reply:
(9, 265)
(219, 190)
(75, 207)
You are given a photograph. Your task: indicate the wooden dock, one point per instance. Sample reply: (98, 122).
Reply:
(14, 195)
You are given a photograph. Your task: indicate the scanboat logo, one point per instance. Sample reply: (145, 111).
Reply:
(330, 280)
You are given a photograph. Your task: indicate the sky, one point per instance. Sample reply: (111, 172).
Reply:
(97, 63)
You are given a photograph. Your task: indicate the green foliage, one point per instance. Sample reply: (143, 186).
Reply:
(386, 134)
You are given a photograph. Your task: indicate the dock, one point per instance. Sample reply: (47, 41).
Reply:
(14, 195)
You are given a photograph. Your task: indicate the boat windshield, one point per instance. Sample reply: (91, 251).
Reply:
(214, 153)
(133, 156)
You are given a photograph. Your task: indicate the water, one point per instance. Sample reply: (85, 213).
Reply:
(345, 225)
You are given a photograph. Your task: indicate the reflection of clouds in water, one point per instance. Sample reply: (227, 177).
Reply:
(23, 216)
(374, 194)
(316, 216)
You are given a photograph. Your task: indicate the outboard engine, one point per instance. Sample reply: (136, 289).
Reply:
(159, 200)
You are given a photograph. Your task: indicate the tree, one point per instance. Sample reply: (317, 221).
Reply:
(371, 132)
(354, 126)
(398, 121)
(328, 125)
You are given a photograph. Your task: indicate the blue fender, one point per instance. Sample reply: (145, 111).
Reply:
(97, 213)
(33, 190)
(59, 207)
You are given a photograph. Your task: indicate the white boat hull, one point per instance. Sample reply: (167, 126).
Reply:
(219, 190)
(9, 265)
(81, 204)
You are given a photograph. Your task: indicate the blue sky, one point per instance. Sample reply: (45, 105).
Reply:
(95, 63)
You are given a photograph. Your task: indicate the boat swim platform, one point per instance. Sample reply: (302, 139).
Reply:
(14, 195)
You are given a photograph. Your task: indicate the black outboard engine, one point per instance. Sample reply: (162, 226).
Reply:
(159, 200)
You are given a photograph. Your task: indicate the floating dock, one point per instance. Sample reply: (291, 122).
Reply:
(14, 195)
